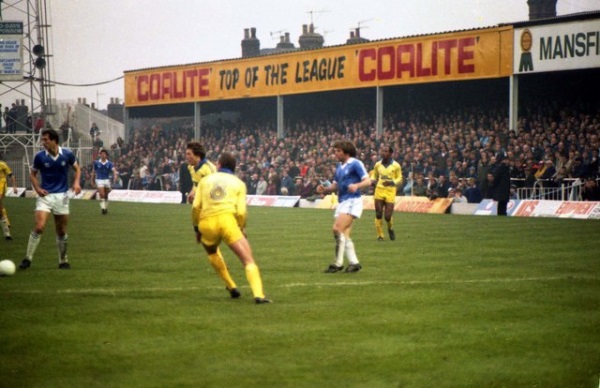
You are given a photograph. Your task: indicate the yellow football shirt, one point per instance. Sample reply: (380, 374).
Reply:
(203, 169)
(382, 173)
(220, 193)
(5, 172)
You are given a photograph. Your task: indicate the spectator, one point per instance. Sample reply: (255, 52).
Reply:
(472, 192)
(309, 191)
(443, 186)
(5, 118)
(407, 189)
(253, 184)
(419, 189)
(590, 190)
(287, 183)
(261, 187)
(185, 181)
(11, 122)
(94, 132)
(272, 186)
(501, 184)
(144, 176)
(457, 196)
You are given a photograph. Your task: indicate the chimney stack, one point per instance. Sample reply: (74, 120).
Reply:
(541, 9)
(250, 44)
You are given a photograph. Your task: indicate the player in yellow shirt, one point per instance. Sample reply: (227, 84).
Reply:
(5, 173)
(386, 175)
(199, 166)
(219, 214)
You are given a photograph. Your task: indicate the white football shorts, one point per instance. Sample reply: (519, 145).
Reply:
(57, 203)
(103, 183)
(352, 206)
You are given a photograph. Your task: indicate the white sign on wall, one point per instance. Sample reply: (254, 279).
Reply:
(11, 51)
(566, 46)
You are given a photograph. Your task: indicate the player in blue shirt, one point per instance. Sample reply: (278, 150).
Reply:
(103, 168)
(350, 177)
(53, 164)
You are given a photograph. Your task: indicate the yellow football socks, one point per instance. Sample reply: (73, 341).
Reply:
(253, 276)
(217, 262)
(378, 227)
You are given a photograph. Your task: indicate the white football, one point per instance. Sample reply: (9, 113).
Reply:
(7, 268)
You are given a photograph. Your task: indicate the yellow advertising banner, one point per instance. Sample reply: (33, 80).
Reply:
(422, 205)
(402, 204)
(462, 55)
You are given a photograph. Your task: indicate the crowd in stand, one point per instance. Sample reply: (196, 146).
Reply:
(442, 153)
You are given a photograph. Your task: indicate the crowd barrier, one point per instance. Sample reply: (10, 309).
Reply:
(487, 207)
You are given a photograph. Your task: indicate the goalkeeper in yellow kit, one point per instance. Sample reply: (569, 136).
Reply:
(219, 214)
(386, 175)
(198, 165)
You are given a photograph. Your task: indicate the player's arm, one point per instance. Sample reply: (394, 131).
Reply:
(35, 183)
(241, 207)
(76, 184)
(196, 205)
(398, 178)
(196, 208)
(327, 190)
(365, 182)
(374, 175)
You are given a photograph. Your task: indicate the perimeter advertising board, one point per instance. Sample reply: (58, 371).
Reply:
(11, 51)
(565, 46)
(462, 55)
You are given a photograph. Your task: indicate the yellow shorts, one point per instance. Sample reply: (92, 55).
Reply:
(222, 227)
(385, 195)
(3, 187)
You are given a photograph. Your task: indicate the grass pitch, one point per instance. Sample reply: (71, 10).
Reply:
(455, 301)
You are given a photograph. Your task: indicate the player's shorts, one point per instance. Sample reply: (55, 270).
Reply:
(352, 206)
(57, 203)
(103, 183)
(387, 195)
(3, 186)
(222, 227)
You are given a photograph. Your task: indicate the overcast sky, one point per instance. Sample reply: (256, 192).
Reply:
(96, 41)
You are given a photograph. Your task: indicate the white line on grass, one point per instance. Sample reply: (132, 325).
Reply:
(113, 291)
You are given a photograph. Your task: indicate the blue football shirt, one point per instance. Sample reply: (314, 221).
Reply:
(353, 171)
(54, 170)
(103, 170)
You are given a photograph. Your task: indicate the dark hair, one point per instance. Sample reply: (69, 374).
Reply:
(346, 146)
(197, 149)
(227, 160)
(52, 134)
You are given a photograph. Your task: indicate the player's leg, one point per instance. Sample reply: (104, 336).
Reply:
(389, 213)
(379, 204)
(41, 217)
(243, 251)
(352, 212)
(218, 263)
(209, 229)
(60, 221)
(341, 230)
(106, 193)
(101, 196)
(4, 221)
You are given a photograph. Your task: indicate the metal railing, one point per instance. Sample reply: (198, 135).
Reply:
(568, 190)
